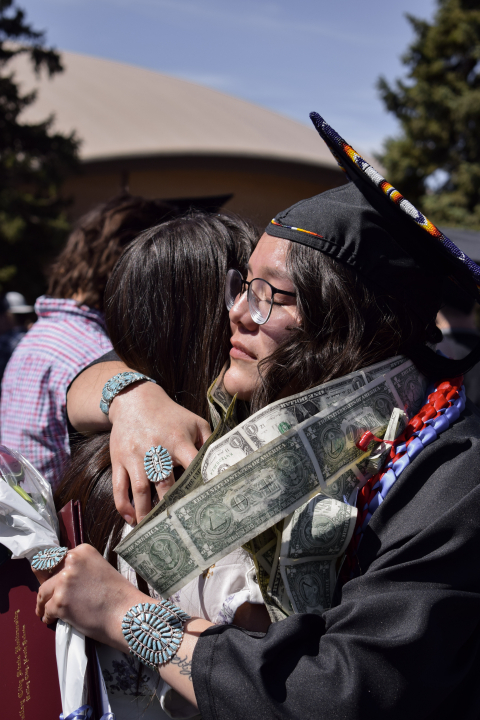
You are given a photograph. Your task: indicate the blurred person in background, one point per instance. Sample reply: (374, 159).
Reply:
(70, 331)
(16, 317)
(457, 321)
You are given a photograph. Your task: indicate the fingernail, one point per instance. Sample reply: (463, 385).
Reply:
(129, 519)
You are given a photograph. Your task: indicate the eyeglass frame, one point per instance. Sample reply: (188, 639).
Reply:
(248, 283)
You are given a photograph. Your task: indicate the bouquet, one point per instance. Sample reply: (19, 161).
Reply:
(28, 523)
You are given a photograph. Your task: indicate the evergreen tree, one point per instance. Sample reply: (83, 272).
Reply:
(435, 161)
(33, 162)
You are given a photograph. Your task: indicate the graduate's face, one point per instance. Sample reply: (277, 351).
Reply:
(251, 342)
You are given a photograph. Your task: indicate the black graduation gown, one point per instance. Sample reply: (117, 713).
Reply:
(403, 640)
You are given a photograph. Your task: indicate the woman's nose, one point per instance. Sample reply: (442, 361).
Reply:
(240, 312)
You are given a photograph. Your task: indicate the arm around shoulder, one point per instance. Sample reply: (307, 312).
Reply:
(84, 394)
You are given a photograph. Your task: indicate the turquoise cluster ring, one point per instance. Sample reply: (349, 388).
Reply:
(154, 631)
(158, 464)
(49, 558)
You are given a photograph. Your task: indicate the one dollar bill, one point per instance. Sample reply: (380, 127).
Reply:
(270, 483)
(280, 416)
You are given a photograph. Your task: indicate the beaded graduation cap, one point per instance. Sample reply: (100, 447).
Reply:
(368, 225)
(349, 159)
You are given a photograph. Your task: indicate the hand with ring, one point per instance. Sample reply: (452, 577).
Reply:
(141, 416)
(44, 562)
(144, 417)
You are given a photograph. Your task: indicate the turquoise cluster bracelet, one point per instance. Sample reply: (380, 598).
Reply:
(116, 384)
(154, 631)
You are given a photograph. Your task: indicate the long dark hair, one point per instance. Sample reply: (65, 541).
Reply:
(88, 478)
(165, 307)
(166, 317)
(345, 324)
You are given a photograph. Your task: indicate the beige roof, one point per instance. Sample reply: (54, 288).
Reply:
(122, 111)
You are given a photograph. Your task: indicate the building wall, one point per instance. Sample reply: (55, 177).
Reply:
(261, 187)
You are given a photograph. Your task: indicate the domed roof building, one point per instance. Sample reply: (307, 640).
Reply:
(169, 138)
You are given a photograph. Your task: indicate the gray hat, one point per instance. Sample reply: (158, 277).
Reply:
(17, 304)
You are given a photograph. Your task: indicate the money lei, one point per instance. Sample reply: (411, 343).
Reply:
(296, 459)
(223, 412)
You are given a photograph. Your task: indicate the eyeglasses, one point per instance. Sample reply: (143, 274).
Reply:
(260, 294)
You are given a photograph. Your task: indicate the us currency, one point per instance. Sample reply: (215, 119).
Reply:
(218, 396)
(333, 434)
(411, 387)
(177, 545)
(266, 556)
(215, 415)
(373, 371)
(280, 416)
(345, 487)
(277, 591)
(260, 490)
(396, 426)
(321, 528)
(263, 548)
(310, 584)
(318, 533)
(192, 477)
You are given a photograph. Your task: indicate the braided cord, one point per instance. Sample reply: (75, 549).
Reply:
(443, 407)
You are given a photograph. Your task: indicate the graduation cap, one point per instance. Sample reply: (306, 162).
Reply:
(369, 226)
(207, 204)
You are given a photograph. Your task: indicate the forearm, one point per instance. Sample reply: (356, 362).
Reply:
(91, 595)
(178, 672)
(83, 398)
(142, 415)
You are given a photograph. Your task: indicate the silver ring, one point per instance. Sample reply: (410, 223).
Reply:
(158, 464)
(49, 558)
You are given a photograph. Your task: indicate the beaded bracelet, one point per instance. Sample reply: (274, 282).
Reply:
(154, 631)
(116, 384)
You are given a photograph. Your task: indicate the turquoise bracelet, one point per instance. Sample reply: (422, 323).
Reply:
(116, 384)
(154, 631)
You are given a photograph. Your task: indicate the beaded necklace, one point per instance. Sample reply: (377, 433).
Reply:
(442, 408)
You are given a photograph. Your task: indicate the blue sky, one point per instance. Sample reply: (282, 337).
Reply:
(289, 56)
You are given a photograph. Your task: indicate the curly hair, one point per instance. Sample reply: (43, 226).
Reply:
(96, 243)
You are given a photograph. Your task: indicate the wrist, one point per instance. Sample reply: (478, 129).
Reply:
(114, 619)
(134, 396)
(154, 631)
(116, 384)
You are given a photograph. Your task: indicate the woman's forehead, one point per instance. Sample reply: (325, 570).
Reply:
(270, 258)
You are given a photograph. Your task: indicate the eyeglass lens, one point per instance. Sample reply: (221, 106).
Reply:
(259, 296)
(233, 288)
(259, 301)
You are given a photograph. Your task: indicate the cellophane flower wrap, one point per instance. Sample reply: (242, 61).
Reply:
(28, 521)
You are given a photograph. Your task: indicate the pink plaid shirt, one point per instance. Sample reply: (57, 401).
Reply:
(65, 338)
